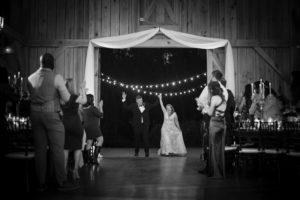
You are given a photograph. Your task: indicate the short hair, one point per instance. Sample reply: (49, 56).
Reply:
(217, 74)
(89, 99)
(70, 85)
(138, 97)
(223, 82)
(47, 61)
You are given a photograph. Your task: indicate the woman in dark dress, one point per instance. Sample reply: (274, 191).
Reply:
(246, 103)
(217, 131)
(91, 122)
(73, 126)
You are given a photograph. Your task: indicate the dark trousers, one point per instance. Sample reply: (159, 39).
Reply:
(48, 131)
(141, 132)
(217, 132)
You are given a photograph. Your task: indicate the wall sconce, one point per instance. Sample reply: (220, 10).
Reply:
(1, 23)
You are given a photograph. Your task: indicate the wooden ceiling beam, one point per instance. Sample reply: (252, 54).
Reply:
(159, 41)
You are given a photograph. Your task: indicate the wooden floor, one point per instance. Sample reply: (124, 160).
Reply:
(122, 176)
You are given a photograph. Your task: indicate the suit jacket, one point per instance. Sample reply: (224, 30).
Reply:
(137, 116)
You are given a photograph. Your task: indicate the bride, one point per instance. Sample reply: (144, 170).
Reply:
(171, 143)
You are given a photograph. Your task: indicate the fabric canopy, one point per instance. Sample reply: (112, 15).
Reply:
(134, 39)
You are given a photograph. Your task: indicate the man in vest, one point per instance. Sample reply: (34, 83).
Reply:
(46, 90)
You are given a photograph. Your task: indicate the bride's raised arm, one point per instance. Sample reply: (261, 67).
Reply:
(161, 103)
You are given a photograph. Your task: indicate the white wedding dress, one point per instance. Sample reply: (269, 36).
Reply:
(171, 142)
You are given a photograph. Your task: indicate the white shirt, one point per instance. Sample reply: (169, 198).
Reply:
(142, 108)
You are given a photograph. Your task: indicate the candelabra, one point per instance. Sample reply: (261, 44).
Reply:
(16, 83)
(259, 96)
(17, 86)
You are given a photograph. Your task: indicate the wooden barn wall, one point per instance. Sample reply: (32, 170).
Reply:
(64, 27)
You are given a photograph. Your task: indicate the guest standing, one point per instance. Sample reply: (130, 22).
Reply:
(246, 103)
(203, 102)
(217, 130)
(91, 123)
(73, 126)
(295, 89)
(140, 122)
(46, 89)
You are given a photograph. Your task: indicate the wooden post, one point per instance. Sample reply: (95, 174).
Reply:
(209, 67)
(96, 75)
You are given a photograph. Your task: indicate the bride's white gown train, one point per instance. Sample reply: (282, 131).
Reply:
(171, 142)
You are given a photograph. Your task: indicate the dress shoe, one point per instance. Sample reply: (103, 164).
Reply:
(67, 186)
(136, 154)
(146, 154)
(216, 178)
(203, 171)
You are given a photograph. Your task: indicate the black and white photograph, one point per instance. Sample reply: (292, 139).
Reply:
(150, 99)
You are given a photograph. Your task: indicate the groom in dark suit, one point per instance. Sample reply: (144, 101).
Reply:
(140, 121)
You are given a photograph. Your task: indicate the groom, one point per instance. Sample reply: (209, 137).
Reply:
(140, 121)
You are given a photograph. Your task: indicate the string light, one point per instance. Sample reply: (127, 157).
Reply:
(139, 88)
(156, 85)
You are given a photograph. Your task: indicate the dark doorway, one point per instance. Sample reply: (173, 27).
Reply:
(146, 66)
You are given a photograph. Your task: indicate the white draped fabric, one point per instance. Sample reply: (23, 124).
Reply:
(131, 40)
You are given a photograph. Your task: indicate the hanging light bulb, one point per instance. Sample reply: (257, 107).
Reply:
(1, 23)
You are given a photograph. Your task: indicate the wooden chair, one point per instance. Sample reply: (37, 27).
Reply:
(292, 161)
(230, 157)
(249, 153)
(273, 147)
